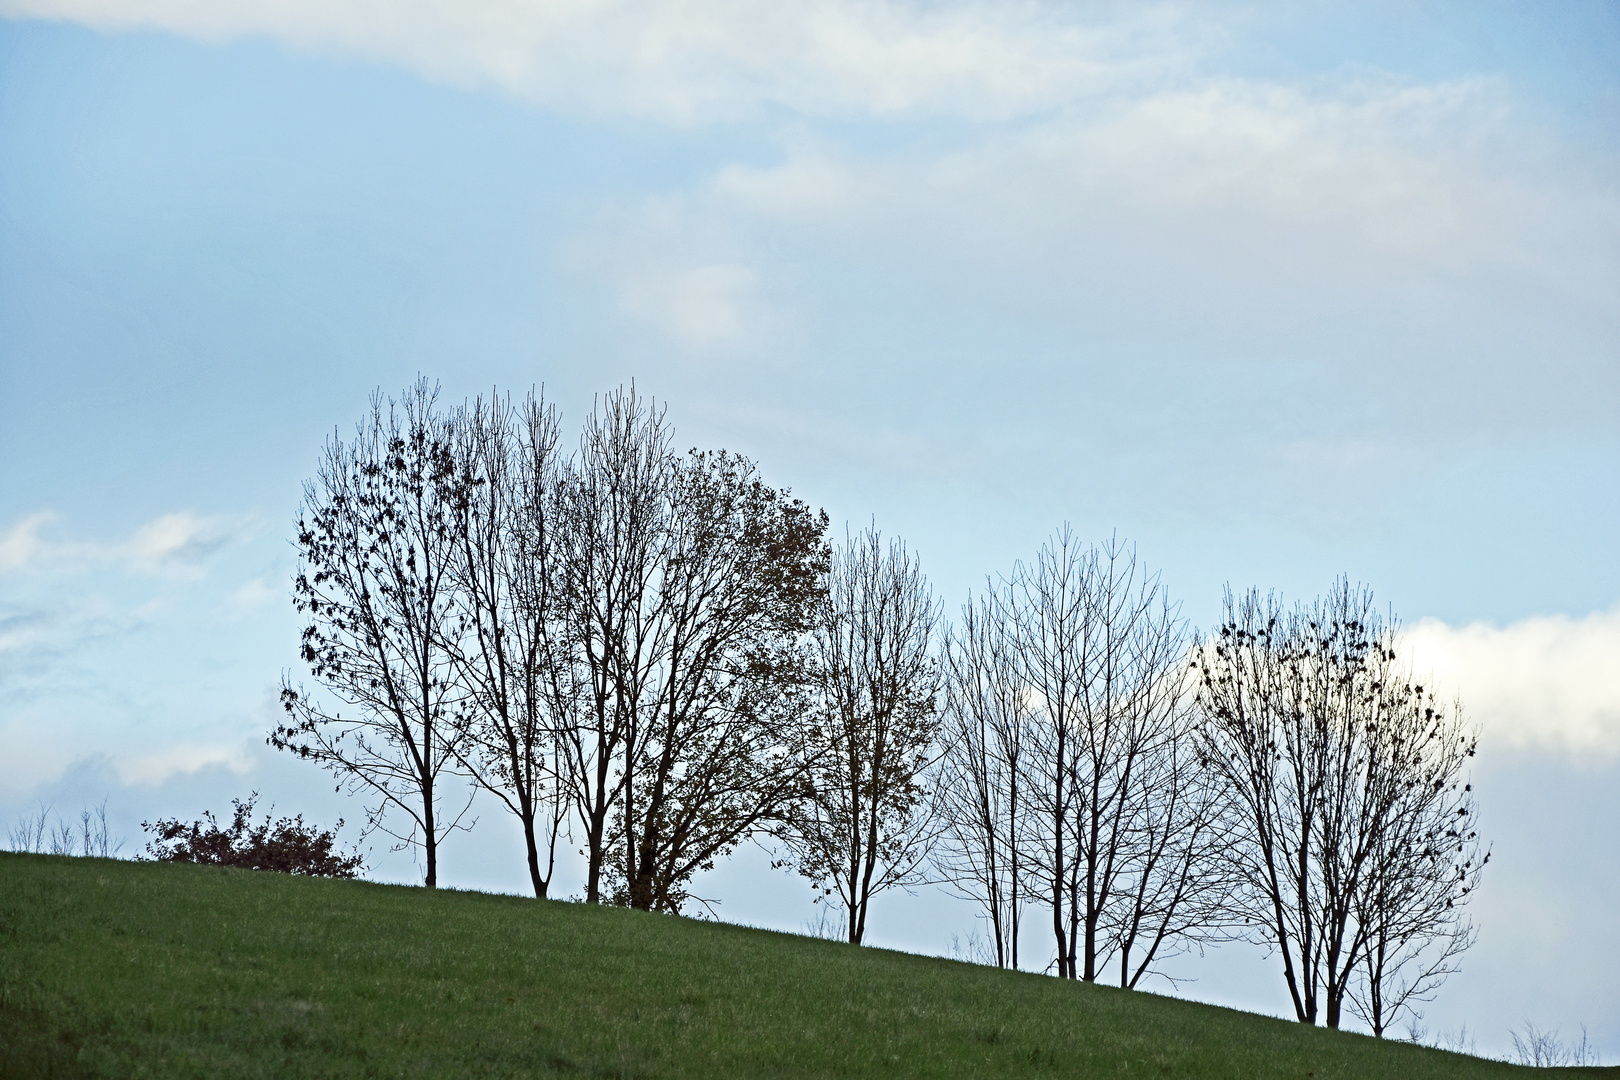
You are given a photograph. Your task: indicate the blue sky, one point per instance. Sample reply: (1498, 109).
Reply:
(1277, 291)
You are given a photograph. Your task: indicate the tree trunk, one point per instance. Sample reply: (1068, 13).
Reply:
(535, 879)
(432, 843)
(595, 852)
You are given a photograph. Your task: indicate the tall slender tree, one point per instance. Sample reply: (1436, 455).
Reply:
(1123, 825)
(866, 824)
(611, 520)
(1053, 604)
(983, 800)
(376, 543)
(511, 649)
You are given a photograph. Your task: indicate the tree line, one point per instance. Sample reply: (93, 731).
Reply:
(658, 656)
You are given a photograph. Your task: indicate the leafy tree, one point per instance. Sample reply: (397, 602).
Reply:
(719, 756)
(688, 586)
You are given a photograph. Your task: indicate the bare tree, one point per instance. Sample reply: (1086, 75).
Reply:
(95, 835)
(1123, 824)
(31, 830)
(983, 804)
(866, 824)
(512, 642)
(377, 544)
(610, 520)
(1270, 750)
(1325, 750)
(1425, 860)
(1052, 602)
(692, 585)
(1172, 877)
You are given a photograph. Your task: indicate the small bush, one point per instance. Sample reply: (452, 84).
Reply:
(34, 833)
(1544, 1049)
(287, 846)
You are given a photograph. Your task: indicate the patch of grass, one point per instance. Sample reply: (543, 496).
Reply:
(143, 969)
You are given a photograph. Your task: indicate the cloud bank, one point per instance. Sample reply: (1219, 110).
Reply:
(1549, 683)
(1099, 171)
(691, 61)
(1380, 169)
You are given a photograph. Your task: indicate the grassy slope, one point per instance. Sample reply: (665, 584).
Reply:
(118, 968)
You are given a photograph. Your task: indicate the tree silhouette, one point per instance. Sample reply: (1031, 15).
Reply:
(510, 648)
(1351, 825)
(377, 544)
(689, 585)
(866, 823)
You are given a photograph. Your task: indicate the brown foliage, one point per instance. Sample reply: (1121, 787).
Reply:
(286, 845)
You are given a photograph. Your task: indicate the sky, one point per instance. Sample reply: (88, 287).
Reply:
(1277, 291)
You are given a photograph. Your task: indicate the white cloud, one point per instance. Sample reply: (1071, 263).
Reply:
(1549, 683)
(19, 631)
(178, 544)
(689, 60)
(35, 640)
(701, 308)
(1407, 248)
(34, 754)
(42, 755)
(1395, 225)
(1231, 174)
(172, 545)
(22, 544)
(681, 276)
(868, 447)
(1247, 214)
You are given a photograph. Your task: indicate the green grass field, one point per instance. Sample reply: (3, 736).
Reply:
(142, 969)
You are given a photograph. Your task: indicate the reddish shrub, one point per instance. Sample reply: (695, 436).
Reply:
(288, 845)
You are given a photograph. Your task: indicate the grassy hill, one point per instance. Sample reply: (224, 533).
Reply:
(141, 969)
